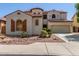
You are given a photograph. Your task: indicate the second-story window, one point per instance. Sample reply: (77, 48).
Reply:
(34, 13)
(44, 16)
(38, 12)
(53, 16)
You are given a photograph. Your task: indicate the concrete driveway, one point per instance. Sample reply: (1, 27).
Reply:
(38, 48)
(69, 37)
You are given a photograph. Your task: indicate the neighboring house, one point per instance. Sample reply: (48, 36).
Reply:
(75, 24)
(34, 20)
(58, 23)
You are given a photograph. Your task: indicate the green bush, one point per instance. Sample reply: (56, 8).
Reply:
(45, 29)
(78, 14)
(46, 32)
(49, 32)
(24, 34)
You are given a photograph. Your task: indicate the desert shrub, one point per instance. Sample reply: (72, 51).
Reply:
(24, 34)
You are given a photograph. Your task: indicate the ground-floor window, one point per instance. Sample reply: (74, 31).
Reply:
(12, 25)
(25, 25)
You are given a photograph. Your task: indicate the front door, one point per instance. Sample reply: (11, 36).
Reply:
(3, 30)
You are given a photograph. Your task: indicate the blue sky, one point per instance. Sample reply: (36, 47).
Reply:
(6, 8)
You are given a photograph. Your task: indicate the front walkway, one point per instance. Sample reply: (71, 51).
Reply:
(38, 48)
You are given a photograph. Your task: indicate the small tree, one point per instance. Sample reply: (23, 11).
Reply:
(77, 11)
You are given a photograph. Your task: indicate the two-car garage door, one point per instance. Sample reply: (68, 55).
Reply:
(60, 29)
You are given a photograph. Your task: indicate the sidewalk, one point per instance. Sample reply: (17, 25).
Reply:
(54, 49)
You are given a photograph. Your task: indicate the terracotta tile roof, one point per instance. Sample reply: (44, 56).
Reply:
(30, 13)
(45, 12)
(27, 12)
(2, 20)
(16, 11)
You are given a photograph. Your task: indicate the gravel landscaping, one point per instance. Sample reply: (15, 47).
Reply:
(29, 40)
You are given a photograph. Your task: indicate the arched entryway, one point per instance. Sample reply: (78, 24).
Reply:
(21, 25)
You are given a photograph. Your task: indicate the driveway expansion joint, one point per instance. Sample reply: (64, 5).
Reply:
(68, 50)
(46, 49)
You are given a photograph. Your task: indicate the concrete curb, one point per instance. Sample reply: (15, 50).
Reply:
(63, 38)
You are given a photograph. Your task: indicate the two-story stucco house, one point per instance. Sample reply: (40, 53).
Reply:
(33, 21)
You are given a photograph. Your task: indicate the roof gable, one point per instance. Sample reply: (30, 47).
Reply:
(15, 12)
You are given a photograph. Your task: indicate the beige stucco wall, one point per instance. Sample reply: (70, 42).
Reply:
(32, 29)
(37, 29)
(37, 11)
(58, 15)
(15, 17)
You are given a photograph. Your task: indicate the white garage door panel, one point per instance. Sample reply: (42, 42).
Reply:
(60, 29)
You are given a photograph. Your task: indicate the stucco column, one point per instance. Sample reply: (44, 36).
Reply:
(71, 28)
